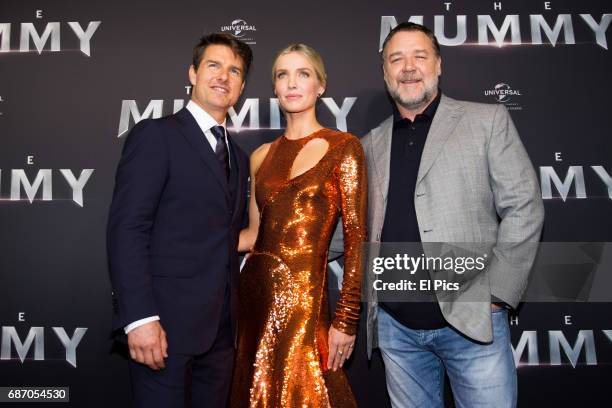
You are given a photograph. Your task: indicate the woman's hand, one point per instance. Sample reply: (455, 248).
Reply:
(246, 240)
(340, 348)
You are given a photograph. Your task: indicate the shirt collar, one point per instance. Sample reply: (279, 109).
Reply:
(203, 118)
(428, 113)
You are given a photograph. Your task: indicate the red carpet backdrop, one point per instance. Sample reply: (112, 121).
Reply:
(75, 76)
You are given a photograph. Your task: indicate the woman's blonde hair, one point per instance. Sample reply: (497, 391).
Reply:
(311, 55)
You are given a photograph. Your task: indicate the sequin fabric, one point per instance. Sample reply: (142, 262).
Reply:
(284, 314)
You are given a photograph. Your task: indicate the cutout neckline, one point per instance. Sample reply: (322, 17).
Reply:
(301, 146)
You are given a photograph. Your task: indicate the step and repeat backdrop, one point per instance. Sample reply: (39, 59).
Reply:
(75, 76)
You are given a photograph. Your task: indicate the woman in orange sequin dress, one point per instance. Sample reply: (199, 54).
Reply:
(289, 353)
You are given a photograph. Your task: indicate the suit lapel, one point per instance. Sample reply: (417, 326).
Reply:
(238, 168)
(381, 154)
(444, 122)
(194, 135)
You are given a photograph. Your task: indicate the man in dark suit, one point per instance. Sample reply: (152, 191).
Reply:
(175, 218)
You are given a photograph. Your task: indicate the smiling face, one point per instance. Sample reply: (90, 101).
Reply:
(411, 68)
(296, 83)
(218, 80)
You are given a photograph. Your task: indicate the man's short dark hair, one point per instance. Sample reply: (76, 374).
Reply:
(240, 48)
(409, 26)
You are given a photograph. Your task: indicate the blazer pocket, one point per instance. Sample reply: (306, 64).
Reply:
(173, 267)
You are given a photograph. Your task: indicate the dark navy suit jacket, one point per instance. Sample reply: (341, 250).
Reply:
(173, 231)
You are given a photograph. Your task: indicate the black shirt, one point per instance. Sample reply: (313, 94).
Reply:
(408, 141)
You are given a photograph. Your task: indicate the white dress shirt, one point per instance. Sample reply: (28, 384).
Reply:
(206, 123)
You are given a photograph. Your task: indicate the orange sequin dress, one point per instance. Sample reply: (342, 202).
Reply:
(284, 315)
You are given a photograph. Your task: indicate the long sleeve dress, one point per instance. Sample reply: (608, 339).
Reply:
(284, 315)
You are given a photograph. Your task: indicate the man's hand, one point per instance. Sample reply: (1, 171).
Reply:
(148, 345)
(340, 348)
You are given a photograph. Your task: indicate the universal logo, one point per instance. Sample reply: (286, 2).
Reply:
(503, 93)
(239, 28)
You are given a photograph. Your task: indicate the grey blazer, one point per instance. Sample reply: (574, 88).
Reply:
(475, 184)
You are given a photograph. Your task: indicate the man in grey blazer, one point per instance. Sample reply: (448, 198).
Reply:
(447, 171)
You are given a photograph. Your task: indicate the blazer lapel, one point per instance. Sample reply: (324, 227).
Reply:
(381, 154)
(238, 168)
(194, 135)
(444, 122)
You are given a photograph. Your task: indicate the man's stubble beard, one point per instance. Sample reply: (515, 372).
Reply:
(414, 103)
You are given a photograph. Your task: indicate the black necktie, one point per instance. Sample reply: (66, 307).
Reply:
(221, 149)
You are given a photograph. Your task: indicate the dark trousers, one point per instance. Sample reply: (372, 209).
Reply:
(202, 380)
